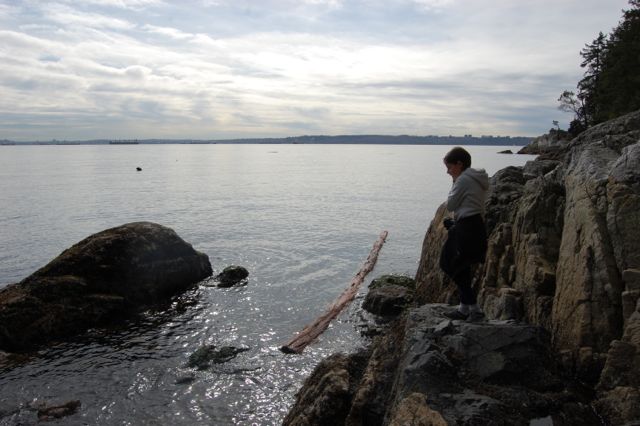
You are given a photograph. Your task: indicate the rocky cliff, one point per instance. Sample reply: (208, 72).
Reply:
(564, 254)
(560, 285)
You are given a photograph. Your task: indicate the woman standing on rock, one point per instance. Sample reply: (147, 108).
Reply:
(467, 237)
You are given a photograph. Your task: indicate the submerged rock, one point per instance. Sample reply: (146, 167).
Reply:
(206, 355)
(100, 279)
(232, 275)
(48, 413)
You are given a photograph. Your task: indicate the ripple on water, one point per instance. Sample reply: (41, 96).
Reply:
(302, 221)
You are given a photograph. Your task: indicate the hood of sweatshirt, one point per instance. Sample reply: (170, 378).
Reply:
(478, 175)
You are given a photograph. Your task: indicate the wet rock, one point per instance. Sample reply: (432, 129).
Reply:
(58, 411)
(100, 279)
(10, 360)
(506, 151)
(206, 355)
(185, 380)
(232, 275)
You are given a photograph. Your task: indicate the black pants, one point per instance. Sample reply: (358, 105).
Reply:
(466, 244)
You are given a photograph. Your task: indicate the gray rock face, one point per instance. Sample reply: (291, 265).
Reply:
(99, 279)
(326, 397)
(548, 143)
(429, 370)
(564, 251)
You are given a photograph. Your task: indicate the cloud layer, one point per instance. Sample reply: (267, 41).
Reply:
(221, 69)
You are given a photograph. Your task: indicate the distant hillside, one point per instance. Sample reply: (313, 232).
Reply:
(342, 139)
(397, 140)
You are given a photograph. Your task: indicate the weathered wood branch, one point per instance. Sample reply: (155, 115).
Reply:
(313, 330)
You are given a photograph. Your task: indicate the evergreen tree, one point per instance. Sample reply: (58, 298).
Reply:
(618, 86)
(588, 88)
(611, 83)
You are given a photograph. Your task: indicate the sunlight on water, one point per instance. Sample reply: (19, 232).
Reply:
(301, 218)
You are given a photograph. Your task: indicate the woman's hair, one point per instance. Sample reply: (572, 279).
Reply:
(458, 154)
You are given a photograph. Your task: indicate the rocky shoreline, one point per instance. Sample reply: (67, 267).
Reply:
(560, 285)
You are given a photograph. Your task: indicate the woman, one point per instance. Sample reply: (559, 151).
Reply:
(467, 238)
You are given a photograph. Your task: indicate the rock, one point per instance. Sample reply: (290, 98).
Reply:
(539, 168)
(232, 275)
(326, 396)
(371, 397)
(414, 410)
(185, 380)
(428, 370)
(98, 280)
(631, 278)
(399, 280)
(549, 143)
(389, 294)
(58, 411)
(506, 151)
(387, 300)
(10, 360)
(620, 406)
(206, 355)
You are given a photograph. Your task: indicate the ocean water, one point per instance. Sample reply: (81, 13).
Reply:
(301, 218)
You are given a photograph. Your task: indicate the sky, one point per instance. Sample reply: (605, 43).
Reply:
(218, 69)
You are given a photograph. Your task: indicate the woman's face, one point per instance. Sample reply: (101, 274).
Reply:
(454, 169)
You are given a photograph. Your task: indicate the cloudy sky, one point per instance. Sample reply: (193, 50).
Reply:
(212, 69)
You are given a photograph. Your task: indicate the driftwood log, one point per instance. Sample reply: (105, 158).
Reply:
(313, 330)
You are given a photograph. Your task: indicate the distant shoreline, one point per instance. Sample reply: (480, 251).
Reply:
(305, 140)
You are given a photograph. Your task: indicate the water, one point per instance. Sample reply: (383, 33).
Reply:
(301, 218)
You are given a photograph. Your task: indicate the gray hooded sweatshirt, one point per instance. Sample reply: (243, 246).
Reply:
(468, 194)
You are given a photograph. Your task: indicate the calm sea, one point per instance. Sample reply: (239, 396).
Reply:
(301, 218)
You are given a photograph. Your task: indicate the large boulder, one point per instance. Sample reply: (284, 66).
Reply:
(99, 279)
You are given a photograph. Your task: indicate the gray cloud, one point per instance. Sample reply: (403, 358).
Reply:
(280, 67)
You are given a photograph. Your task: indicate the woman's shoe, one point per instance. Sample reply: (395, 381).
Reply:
(477, 316)
(456, 315)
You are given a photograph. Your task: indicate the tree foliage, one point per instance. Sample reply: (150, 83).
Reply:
(610, 86)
